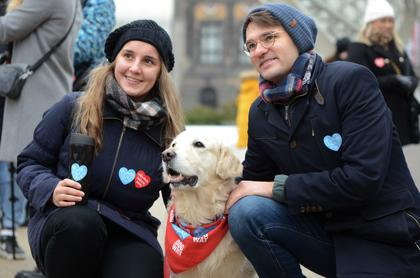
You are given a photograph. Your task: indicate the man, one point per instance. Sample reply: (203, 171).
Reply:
(325, 183)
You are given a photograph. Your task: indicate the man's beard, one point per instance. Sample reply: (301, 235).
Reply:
(380, 38)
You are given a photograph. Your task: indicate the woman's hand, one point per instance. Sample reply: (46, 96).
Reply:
(67, 193)
(246, 188)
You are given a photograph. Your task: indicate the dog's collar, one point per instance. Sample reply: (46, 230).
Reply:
(199, 230)
(187, 246)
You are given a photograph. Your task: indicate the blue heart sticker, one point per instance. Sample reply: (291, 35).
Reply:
(333, 142)
(180, 232)
(126, 175)
(78, 172)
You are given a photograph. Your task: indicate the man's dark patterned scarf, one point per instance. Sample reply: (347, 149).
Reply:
(295, 84)
(137, 115)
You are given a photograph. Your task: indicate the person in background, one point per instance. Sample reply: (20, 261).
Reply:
(325, 182)
(25, 40)
(248, 92)
(132, 112)
(4, 56)
(3, 46)
(98, 22)
(7, 238)
(33, 27)
(380, 49)
(341, 50)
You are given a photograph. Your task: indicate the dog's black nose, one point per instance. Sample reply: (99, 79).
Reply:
(168, 155)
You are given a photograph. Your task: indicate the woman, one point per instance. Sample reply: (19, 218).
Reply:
(380, 49)
(131, 111)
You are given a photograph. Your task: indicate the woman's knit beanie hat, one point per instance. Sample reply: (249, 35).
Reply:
(376, 9)
(141, 30)
(301, 28)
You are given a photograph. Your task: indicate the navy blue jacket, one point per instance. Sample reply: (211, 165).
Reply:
(362, 186)
(44, 162)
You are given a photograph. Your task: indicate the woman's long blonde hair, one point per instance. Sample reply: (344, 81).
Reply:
(88, 117)
(13, 4)
(367, 30)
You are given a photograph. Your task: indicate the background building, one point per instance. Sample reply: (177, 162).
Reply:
(208, 41)
(208, 47)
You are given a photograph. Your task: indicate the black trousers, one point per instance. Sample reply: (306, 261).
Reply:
(78, 242)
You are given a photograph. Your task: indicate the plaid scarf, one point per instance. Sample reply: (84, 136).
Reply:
(142, 114)
(295, 84)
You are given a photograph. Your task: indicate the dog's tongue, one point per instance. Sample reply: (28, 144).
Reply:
(178, 178)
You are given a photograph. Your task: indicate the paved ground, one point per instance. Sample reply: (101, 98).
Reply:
(9, 268)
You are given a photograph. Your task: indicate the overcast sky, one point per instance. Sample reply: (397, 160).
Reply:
(158, 10)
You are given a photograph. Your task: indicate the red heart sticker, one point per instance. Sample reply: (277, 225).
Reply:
(380, 62)
(142, 179)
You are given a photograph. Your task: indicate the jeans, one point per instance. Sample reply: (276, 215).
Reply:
(5, 204)
(78, 242)
(276, 242)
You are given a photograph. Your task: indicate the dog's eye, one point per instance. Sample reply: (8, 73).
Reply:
(198, 144)
(173, 145)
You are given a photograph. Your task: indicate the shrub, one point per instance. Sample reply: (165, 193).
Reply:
(204, 115)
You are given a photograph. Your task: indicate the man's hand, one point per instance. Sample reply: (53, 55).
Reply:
(246, 188)
(67, 193)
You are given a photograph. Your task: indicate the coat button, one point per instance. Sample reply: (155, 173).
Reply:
(302, 209)
(328, 215)
(293, 144)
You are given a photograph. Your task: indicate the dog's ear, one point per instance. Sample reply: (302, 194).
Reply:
(228, 165)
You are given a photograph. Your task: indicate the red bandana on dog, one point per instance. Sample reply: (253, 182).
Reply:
(186, 246)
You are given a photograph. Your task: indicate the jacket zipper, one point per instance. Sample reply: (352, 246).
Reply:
(286, 115)
(113, 165)
(418, 224)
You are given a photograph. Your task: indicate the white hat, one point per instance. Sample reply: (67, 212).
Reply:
(376, 9)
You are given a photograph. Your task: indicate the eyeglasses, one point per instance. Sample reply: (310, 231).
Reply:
(266, 41)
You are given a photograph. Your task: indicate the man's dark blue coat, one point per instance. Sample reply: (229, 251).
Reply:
(344, 160)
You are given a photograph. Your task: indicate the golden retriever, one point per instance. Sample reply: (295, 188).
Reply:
(201, 171)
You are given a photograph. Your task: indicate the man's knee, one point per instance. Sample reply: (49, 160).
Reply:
(247, 213)
(253, 212)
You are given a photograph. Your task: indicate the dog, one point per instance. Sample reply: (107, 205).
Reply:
(201, 171)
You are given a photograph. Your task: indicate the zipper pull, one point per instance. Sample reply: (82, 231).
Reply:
(286, 115)
(313, 132)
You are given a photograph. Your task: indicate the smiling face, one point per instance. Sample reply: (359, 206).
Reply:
(384, 26)
(276, 61)
(137, 68)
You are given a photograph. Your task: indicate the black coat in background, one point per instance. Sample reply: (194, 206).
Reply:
(386, 64)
